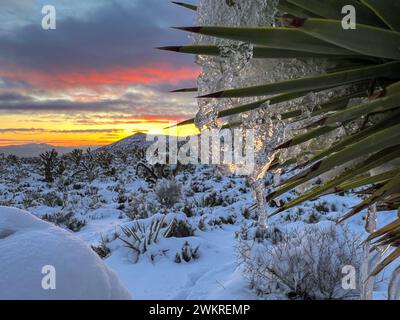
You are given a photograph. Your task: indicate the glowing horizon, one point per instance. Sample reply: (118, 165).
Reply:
(96, 86)
(99, 135)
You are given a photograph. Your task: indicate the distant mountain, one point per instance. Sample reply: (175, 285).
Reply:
(35, 149)
(131, 142)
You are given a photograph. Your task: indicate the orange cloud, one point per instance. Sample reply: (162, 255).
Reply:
(89, 78)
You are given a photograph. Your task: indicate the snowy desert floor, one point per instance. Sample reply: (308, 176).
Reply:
(216, 275)
(194, 253)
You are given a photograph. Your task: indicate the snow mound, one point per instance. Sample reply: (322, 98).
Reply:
(28, 244)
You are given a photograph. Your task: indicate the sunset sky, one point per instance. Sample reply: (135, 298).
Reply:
(96, 78)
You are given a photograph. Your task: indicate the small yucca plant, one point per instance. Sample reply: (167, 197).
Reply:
(139, 237)
(367, 58)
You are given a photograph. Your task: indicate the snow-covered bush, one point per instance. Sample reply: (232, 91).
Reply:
(179, 228)
(140, 236)
(67, 220)
(187, 253)
(168, 192)
(52, 199)
(49, 162)
(28, 245)
(188, 209)
(87, 166)
(213, 199)
(75, 157)
(105, 160)
(305, 264)
(141, 205)
(30, 198)
(102, 249)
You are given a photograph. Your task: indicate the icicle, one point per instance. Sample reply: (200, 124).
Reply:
(370, 259)
(371, 219)
(258, 190)
(394, 285)
(235, 68)
(277, 177)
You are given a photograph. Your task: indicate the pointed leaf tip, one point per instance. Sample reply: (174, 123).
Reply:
(169, 48)
(189, 29)
(185, 5)
(184, 90)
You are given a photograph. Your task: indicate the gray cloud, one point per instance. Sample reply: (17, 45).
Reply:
(6, 130)
(118, 34)
(134, 103)
(60, 105)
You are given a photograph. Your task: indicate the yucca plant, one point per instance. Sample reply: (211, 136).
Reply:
(367, 58)
(139, 237)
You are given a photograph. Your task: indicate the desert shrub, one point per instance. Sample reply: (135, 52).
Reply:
(179, 229)
(105, 160)
(314, 218)
(121, 199)
(65, 219)
(102, 249)
(197, 187)
(249, 214)
(96, 200)
(168, 192)
(123, 156)
(213, 200)
(78, 186)
(75, 157)
(141, 206)
(12, 159)
(246, 213)
(52, 199)
(219, 220)
(202, 225)
(308, 215)
(61, 167)
(251, 232)
(30, 199)
(306, 264)
(210, 200)
(322, 207)
(49, 162)
(187, 253)
(188, 209)
(87, 166)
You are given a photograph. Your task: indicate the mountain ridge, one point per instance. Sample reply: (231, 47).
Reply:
(35, 149)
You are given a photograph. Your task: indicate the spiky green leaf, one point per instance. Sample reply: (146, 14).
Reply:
(385, 42)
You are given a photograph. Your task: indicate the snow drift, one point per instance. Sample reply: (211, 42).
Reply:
(27, 244)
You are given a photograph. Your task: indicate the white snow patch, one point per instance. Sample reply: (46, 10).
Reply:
(27, 244)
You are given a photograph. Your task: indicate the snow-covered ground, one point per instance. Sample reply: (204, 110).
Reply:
(42, 261)
(209, 213)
